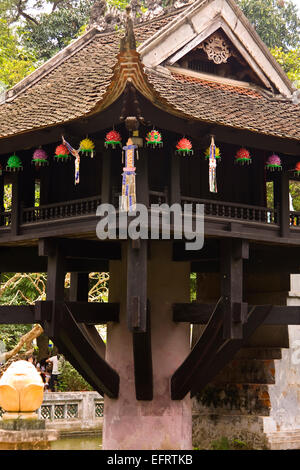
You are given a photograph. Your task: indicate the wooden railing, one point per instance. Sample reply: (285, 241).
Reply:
(61, 210)
(155, 197)
(235, 210)
(88, 206)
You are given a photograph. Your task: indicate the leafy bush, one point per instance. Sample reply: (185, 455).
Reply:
(71, 381)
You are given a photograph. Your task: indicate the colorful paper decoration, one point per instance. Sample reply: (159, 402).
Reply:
(184, 147)
(217, 154)
(113, 139)
(40, 158)
(243, 157)
(128, 199)
(297, 169)
(274, 163)
(87, 147)
(62, 153)
(154, 139)
(212, 167)
(14, 163)
(75, 154)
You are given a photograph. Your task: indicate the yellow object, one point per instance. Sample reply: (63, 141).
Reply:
(21, 388)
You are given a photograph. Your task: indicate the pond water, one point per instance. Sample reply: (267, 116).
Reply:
(78, 443)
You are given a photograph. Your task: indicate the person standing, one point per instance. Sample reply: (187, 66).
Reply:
(56, 370)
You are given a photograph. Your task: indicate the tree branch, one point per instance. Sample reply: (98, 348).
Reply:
(26, 339)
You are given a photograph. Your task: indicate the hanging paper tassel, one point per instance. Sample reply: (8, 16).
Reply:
(14, 163)
(154, 139)
(274, 163)
(212, 167)
(184, 147)
(40, 158)
(87, 147)
(113, 139)
(128, 199)
(75, 154)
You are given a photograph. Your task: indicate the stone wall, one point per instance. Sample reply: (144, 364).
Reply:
(72, 411)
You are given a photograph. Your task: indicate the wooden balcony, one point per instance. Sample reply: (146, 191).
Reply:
(78, 217)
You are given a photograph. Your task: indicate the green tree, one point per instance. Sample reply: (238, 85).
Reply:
(15, 61)
(276, 21)
(290, 62)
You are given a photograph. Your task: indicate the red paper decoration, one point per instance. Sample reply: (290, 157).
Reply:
(184, 147)
(243, 157)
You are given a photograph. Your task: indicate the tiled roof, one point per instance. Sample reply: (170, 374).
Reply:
(74, 87)
(229, 105)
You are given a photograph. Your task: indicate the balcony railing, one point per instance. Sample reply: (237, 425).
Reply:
(235, 210)
(81, 208)
(61, 210)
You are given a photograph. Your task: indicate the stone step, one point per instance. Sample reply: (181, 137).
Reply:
(284, 440)
(248, 371)
(259, 353)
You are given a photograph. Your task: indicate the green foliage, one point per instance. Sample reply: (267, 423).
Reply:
(193, 287)
(10, 335)
(225, 444)
(57, 29)
(71, 381)
(290, 62)
(15, 61)
(276, 21)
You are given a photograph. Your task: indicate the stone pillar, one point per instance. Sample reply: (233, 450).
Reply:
(161, 423)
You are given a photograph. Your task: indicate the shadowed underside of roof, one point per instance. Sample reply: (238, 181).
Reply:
(77, 86)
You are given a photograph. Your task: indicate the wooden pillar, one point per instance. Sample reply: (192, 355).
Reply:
(233, 252)
(284, 205)
(79, 291)
(55, 283)
(106, 177)
(142, 178)
(175, 191)
(15, 204)
(137, 285)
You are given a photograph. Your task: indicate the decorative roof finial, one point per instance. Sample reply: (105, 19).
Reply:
(128, 41)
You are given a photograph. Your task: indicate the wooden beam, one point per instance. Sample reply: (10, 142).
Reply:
(26, 260)
(90, 313)
(183, 378)
(227, 349)
(94, 313)
(17, 314)
(137, 285)
(232, 254)
(15, 204)
(82, 354)
(142, 354)
(78, 296)
(55, 289)
(199, 314)
(77, 248)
